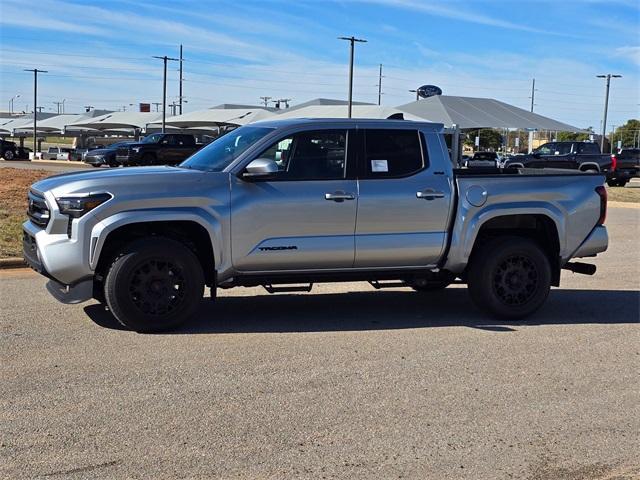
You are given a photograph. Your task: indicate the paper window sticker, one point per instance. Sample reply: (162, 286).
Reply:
(379, 166)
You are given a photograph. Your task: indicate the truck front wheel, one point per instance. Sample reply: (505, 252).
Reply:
(509, 277)
(154, 284)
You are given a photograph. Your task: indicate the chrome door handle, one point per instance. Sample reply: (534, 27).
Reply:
(429, 194)
(339, 196)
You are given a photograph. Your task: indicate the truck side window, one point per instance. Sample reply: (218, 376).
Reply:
(392, 153)
(589, 148)
(312, 155)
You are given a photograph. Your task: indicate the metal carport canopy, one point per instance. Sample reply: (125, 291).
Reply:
(57, 124)
(341, 111)
(214, 117)
(120, 120)
(472, 112)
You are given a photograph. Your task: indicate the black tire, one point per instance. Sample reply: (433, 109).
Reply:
(622, 183)
(154, 284)
(431, 287)
(509, 277)
(612, 183)
(8, 155)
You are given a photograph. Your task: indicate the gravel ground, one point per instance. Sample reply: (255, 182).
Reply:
(345, 382)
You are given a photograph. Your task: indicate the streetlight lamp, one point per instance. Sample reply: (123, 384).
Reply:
(416, 92)
(352, 40)
(11, 102)
(608, 76)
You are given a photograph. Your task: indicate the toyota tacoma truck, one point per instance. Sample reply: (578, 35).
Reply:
(157, 149)
(285, 204)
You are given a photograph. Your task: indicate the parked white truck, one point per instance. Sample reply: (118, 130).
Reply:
(285, 203)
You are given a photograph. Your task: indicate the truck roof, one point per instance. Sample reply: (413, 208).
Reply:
(357, 122)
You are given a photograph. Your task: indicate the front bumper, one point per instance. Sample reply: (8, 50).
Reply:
(596, 242)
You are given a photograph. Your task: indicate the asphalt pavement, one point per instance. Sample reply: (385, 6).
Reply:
(343, 382)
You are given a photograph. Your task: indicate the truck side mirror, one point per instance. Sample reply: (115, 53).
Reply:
(260, 169)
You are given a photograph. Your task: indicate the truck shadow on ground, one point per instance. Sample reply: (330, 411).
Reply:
(388, 310)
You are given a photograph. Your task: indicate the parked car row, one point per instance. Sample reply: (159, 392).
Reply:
(583, 156)
(11, 151)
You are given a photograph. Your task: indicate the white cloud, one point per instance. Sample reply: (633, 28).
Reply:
(631, 53)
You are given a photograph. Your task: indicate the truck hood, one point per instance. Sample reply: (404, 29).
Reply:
(130, 182)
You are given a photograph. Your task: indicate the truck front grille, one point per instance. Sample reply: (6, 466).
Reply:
(38, 212)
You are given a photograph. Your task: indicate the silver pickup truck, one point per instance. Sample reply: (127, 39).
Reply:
(284, 204)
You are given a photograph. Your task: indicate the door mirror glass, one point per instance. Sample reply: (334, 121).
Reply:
(261, 168)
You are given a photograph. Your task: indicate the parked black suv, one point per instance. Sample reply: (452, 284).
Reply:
(158, 149)
(627, 166)
(8, 150)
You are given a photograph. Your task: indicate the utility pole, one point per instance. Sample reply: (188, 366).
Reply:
(352, 40)
(380, 85)
(157, 104)
(180, 91)
(63, 100)
(265, 100)
(58, 105)
(164, 88)
(11, 102)
(608, 76)
(35, 107)
(533, 95)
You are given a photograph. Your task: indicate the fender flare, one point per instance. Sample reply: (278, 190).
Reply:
(589, 164)
(102, 229)
(465, 234)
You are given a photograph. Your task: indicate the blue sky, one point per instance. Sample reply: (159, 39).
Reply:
(99, 52)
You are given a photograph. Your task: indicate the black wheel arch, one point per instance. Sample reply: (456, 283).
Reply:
(537, 227)
(187, 232)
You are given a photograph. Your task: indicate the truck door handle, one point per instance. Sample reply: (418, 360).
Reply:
(429, 194)
(339, 196)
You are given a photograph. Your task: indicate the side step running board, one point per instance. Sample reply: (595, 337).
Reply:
(378, 285)
(583, 268)
(288, 288)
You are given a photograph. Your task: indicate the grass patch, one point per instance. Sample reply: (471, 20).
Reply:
(624, 194)
(14, 185)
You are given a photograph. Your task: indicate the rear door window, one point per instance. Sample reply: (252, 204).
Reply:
(393, 153)
(590, 148)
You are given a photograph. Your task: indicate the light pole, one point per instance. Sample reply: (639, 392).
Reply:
(164, 88)
(416, 92)
(380, 85)
(11, 102)
(352, 40)
(35, 105)
(608, 76)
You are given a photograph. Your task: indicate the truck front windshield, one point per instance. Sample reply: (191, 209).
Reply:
(220, 153)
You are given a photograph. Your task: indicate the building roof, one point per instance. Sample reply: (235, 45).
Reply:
(471, 112)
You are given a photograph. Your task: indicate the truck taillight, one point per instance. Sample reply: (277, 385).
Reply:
(602, 193)
(614, 162)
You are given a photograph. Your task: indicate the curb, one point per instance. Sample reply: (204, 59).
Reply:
(59, 162)
(12, 262)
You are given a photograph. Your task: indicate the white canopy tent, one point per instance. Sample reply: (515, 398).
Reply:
(59, 124)
(120, 120)
(341, 111)
(216, 117)
(476, 113)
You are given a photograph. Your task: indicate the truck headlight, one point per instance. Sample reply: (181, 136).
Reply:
(76, 207)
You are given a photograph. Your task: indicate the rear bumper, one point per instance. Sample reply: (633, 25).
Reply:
(596, 242)
(624, 173)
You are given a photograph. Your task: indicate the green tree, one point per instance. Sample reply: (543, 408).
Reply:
(628, 132)
(572, 137)
(489, 138)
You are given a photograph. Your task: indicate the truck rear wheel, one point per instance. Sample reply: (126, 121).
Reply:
(509, 277)
(154, 284)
